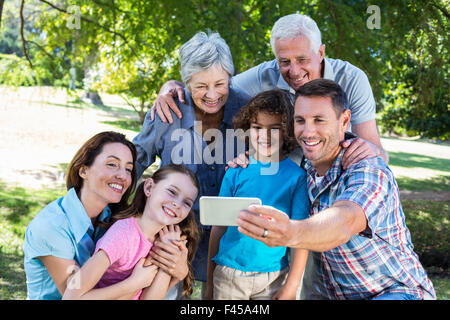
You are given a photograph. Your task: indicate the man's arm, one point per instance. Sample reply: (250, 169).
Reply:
(322, 232)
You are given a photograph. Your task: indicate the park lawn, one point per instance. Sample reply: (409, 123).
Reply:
(18, 206)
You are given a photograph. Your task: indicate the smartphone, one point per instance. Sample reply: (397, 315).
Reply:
(223, 211)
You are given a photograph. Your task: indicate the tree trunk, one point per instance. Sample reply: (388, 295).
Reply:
(1, 11)
(92, 97)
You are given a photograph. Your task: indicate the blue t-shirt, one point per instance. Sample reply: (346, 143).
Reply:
(62, 229)
(285, 189)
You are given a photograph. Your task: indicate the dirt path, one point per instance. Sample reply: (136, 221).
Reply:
(40, 133)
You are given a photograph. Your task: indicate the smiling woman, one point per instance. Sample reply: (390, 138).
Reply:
(160, 211)
(62, 237)
(209, 106)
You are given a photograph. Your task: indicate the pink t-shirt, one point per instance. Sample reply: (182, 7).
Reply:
(125, 245)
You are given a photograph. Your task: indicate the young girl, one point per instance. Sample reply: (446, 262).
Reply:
(161, 207)
(240, 267)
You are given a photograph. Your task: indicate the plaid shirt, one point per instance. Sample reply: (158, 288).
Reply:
(381, 258)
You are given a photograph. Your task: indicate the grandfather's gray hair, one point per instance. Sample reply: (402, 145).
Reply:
(293, 25)
(202, 52)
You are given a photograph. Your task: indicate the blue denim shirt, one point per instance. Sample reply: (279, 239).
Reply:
(181, 143)
(63, 230)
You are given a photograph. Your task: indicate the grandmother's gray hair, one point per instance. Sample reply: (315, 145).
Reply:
(202, 52)
(293, 25)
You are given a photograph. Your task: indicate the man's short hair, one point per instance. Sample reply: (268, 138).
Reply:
(294, 25)
(325, 88)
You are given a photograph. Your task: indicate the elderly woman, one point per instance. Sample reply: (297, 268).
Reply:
(199, 139)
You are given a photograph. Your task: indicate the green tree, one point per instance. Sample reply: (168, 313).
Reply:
(129, 47)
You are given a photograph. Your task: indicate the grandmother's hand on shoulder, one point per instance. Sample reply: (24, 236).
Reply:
(165, 101)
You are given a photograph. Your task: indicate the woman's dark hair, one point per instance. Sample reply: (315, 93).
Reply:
(188, 226)
(86, 155)
(273, 102)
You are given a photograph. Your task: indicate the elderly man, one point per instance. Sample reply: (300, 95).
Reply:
(300, 57)
(362, 247)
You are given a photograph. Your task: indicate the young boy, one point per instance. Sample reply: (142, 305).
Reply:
(239, 267)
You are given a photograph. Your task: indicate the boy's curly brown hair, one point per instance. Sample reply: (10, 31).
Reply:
(273, 102)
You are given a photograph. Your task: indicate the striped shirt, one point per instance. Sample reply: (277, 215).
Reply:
(380, 259)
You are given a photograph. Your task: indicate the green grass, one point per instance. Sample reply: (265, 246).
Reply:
(413, 160)
(427, 220)
(429, 224)
(438, 168)
(128, 124)
(442, 287)
(18, 206)
(438, 183)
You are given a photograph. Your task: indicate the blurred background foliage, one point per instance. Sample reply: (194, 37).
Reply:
(130, 47)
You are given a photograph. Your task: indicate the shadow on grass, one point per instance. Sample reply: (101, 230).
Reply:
(19, 205)
(79, 104)
(438, 183)
(13, 284)
(412, 160)
(127, 124)
(429, 224)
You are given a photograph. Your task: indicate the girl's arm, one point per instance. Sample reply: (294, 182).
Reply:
(83, 281)
(59, 269)
(214, 240)
(289, 290)
(159, 287)
(170, 254)
(163, 280)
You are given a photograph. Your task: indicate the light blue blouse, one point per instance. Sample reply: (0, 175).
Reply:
(63, 230)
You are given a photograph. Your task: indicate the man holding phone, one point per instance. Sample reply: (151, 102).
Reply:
(300, 57)
(362, 247)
